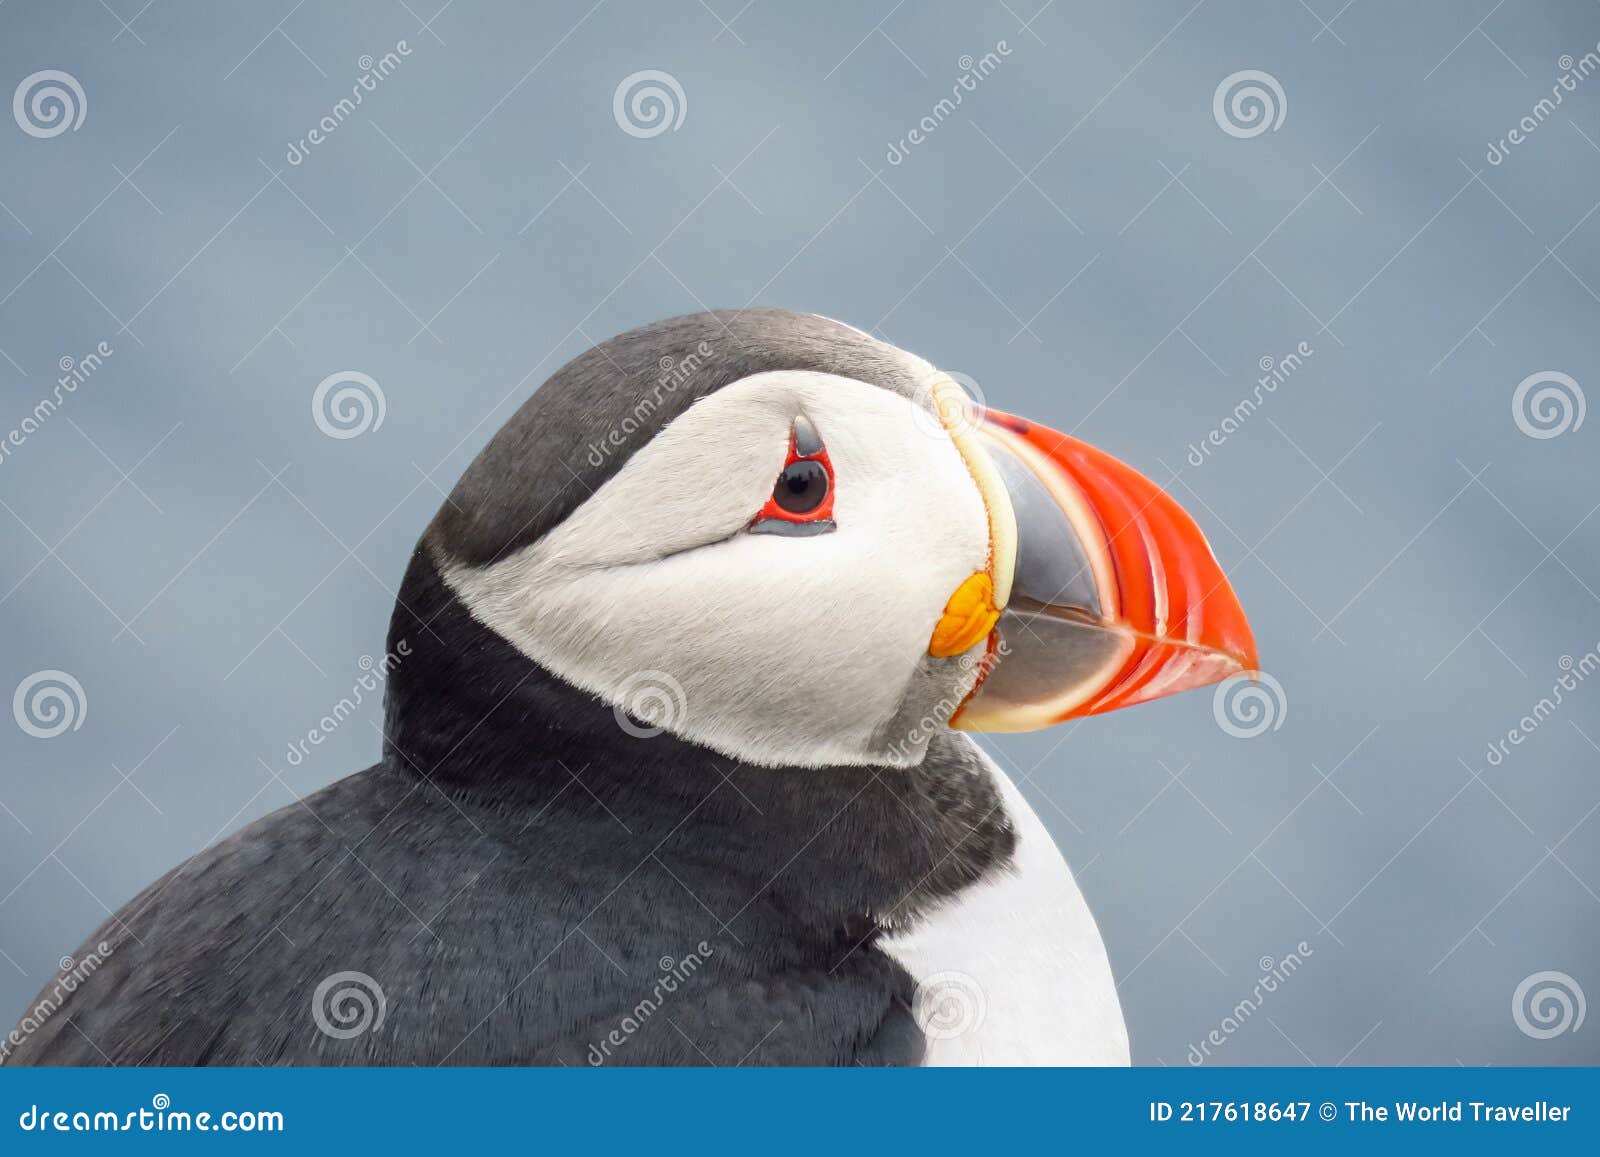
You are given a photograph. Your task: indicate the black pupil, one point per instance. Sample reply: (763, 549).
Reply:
(801, 487)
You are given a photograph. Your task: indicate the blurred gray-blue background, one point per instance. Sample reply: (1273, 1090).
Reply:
(1094, 233)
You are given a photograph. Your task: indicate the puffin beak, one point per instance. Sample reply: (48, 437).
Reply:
(1113, 595)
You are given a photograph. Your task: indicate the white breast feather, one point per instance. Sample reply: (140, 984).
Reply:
(1014, 971)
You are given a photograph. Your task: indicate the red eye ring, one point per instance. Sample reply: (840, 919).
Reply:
(806, 471)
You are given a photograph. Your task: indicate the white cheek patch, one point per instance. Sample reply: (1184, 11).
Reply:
(780, 651)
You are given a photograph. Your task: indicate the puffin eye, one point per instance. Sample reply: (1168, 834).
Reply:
(802, 498)
(801, 487)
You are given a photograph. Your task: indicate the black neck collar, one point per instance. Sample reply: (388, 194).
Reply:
(496, 731)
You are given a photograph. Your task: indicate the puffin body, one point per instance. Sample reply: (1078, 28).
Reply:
(673, 767)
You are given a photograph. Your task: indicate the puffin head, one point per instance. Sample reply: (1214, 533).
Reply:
(781, 539)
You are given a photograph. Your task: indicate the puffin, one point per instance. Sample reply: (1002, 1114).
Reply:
(676, 765)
